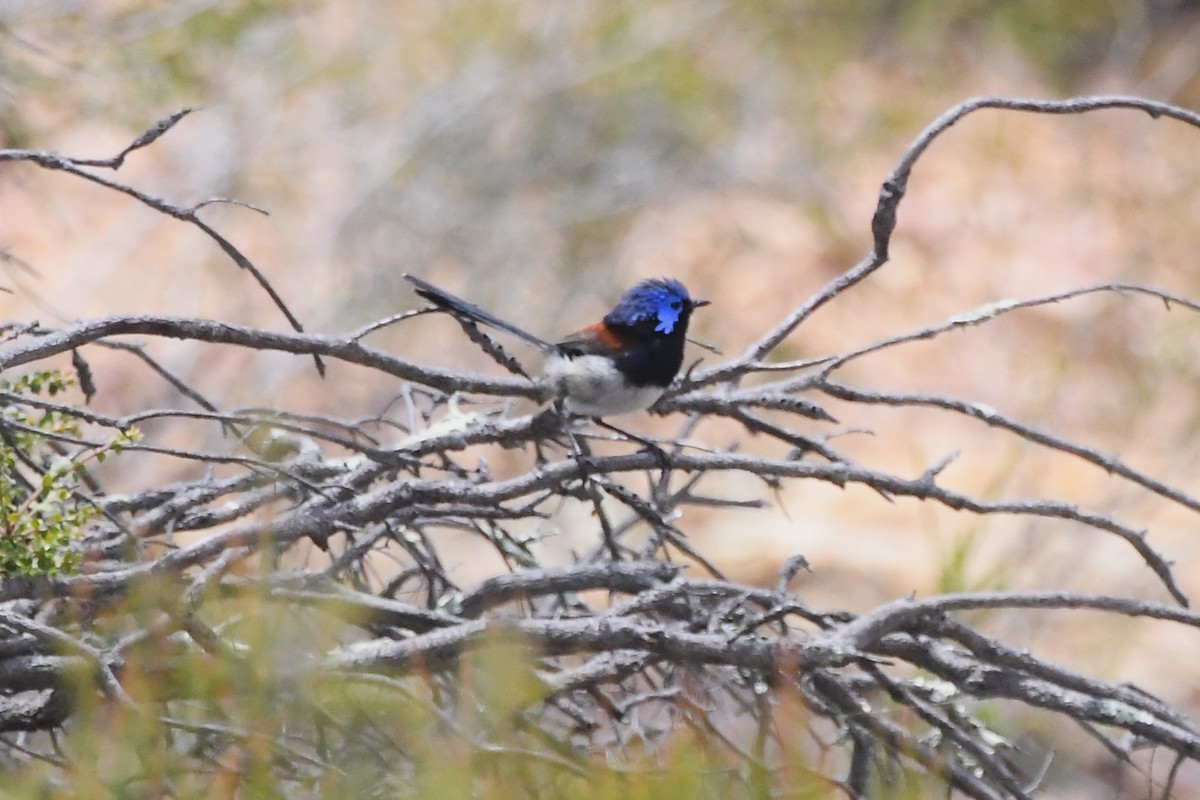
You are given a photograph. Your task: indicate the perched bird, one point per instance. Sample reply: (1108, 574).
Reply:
(622, 363)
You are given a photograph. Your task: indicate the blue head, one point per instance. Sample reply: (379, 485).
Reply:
(657, 307)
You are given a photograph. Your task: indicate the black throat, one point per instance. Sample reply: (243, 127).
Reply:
(652, 359)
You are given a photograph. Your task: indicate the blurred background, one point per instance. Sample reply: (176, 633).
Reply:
(539, 157)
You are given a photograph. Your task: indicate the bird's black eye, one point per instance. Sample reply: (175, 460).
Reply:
(676, 305)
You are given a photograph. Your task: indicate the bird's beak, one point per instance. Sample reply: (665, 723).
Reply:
(698, 303)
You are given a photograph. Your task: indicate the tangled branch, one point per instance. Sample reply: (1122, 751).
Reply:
(626, 643)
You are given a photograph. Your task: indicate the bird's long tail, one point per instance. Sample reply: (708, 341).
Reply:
(457, 305)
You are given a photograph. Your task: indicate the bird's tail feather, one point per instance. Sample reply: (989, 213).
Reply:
(461, 307)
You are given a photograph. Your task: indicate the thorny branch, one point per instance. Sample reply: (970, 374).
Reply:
(613, 634)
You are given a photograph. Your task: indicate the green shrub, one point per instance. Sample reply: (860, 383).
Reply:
(42, 458)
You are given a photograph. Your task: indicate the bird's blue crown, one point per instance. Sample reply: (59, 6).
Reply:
(662, 301)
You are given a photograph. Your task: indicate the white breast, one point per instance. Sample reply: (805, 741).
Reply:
(592, 387)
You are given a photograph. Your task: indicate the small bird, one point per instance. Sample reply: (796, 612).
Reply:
(623, 363)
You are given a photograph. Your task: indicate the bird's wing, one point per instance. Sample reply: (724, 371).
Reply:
(598, 339)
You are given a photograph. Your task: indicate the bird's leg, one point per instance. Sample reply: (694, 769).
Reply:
(547, 426)
(583, 455)
(664, 460)
(580, 449)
